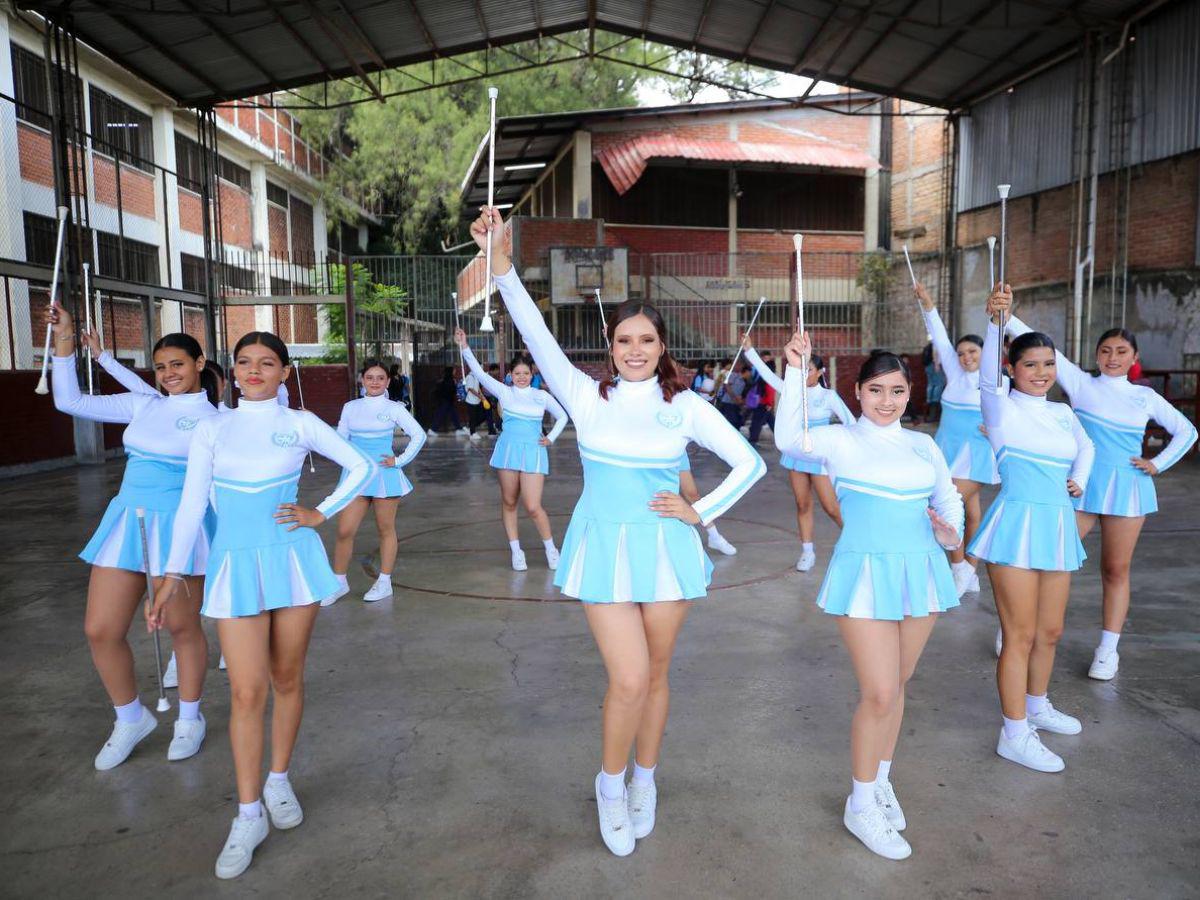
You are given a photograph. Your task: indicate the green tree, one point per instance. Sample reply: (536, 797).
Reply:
(372, 300)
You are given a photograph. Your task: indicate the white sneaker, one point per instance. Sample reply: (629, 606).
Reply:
(464, 431)
(718, 543)
(171, 676)
(1050, 719)
(872, 828)
(244, 836)
(616, 829)
(552, 558)
(518, 561)
(123, 739)
(999, 642)
(281, 803)
(431, 433)
(1104, 665)
(962, 577)
(476, 437)
(643, 801)
(973, 586)
(1028, 750)
(342, 591)
(380, 589)
(221, 664)
(808, 559)
(189, 735)
(885, 799)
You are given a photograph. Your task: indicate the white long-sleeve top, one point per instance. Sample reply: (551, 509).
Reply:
(161, 426)
(368, 415)
(259, 444)
(1033, 424)
(527, 401)
(126, 378)
(635, 425)
(882, 460)
(962, 387)
(823, 402)
(1120, 403)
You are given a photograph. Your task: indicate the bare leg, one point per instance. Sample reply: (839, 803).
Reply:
(620, 634)
(291, 630)
(662, 622)
(510, 491)
(914, 634)
(1085, 522)
(531, 498)
(1053, 590)
(1016, 593)
(348, 521)
(246, 642)
(113, 597)
(1118, 539)
(802, 490)
(970, 495)
(385, 521)
(823, 487)
(187, 637)
(874, 647)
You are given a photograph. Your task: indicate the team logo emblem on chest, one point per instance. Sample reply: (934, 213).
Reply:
(382, 417)
(285, 438)
(817, 401)
(669, 419)
(186, 423)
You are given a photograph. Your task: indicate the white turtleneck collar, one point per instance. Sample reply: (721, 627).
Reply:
(257, 405)
(1022, 397)
(188, 399)
(890, 429)
(638, 388)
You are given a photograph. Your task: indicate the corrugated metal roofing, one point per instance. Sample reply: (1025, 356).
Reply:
(625, 162)
(945, 54)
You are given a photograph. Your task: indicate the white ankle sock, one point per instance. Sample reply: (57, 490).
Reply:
(885, 771)
(1035, 704)
(712, 532)
(862, 795)
(612, 787)
(250, 810)
(515, 546)
(273, 777)
(1108, 640)
(131, 712)
(384, 577)
(963, 565)
(806, 547)
(189, 710)
(548, 543)
(342, 579)
(642, 777)
(1014, 728)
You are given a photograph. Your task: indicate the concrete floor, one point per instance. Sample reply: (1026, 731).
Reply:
(452, 733)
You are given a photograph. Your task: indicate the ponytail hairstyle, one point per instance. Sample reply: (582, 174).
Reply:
(266, 339)
(1122, 333)
(818, 363)
(667, 369)
(882, 362)
(521, 359)
(214, 368)
(189, 345)
(1026, 342)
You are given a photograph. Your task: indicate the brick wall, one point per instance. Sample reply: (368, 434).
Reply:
(918, 163)
(277, 227)
(235, 215)
(302, 232)
(238, 321)
(136, 189)
(191, 212)
(535, 236)
(33, 147)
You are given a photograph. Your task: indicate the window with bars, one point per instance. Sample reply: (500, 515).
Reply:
(238, 279)
(187, 163)
(121, 131)
(233, 173)
(140, 259)
(29, 88)
(192, 270)
(277, 195)
(40, 234)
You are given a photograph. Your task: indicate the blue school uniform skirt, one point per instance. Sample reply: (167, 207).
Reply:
(1115, 487)
(518, 449)
(966, 448)
(387, 481)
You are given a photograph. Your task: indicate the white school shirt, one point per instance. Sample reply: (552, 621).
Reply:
(962, 387)
(823, 402)
(260, 444)
(1121, 403)
(1034, 425)
(530, 402)
(368, 414)
(635, 426)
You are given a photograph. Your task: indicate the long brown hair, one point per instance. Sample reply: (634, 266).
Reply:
(667, 369)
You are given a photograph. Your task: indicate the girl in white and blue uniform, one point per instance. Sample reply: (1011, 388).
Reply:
(630, 553)
(159, 431)
(960, 433)
(888, 578)
(807, 476)
(1120, 492)
(266, 574)
(520, 458)
(1028, 537)
(370, 424)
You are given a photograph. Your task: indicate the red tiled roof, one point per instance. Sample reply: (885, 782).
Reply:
(625, 162)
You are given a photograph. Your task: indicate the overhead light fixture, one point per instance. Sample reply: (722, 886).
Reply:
(519, 166)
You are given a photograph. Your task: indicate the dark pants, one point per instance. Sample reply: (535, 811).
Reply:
(733, 413)
(479, 415)
(758, 417)
(445, 409)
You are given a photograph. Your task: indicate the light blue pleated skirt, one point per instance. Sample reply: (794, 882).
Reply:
(156, 486)
(518, 449)
(618, 550)
(1031, 523)
(256, 564)
(887, 563)
(966, 448)
(1115, 487)
(388, 481)
(807, 466)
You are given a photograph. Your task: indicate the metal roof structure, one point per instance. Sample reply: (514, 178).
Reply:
(945, 54)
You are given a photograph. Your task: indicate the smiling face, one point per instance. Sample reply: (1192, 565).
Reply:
(1115, 356)
(968, 355)
(375, 380)
(884, 398)
(636, 348)
(1034, 372)
(176, 372)
(259, 371)
(522, 375)
(814, 375)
